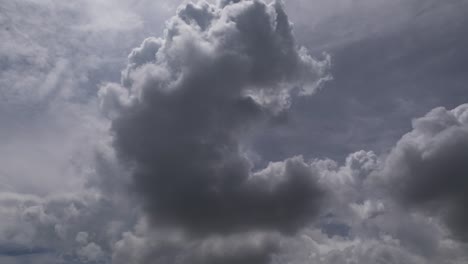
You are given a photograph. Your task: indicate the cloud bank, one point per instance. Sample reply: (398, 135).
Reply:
(171, 171)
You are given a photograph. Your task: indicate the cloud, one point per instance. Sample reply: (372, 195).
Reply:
(53, 56)
(186, 121)
(147, 245)
(392, 61)
(361, 223)
(358, 222)
(427, 168)
(91, 253)
(189, 104)
(79, 227)
(50, 69)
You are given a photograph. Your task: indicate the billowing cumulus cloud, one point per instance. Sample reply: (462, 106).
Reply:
(360, 223)
(200, 112)
(188, 106)
(32, 225)
(427, 168)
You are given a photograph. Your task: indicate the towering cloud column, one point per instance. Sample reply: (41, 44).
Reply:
(187, 105)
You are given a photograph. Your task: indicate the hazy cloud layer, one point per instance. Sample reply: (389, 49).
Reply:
(392, 61)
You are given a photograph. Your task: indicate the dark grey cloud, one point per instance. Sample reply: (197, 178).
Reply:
(223, 88)
(189, 104)
(359, 223)
(427, 168)
(362, 224)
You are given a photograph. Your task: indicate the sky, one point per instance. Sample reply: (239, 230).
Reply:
(233, 132)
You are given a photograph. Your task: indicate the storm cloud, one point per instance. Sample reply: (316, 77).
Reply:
(427, 169)
(224, 141)
(188, 106)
